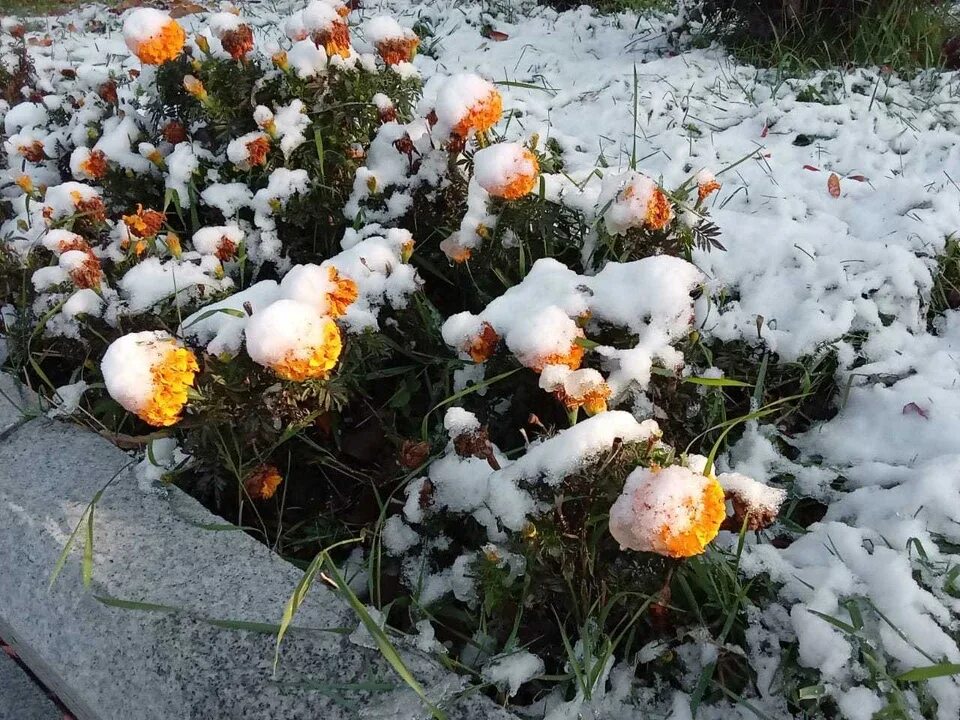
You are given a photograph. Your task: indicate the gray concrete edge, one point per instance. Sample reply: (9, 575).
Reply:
(110, 663)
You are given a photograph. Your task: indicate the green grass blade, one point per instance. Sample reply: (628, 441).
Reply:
(386, 647)
(929, 671)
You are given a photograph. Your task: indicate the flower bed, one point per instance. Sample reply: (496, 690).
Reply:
(394, 335)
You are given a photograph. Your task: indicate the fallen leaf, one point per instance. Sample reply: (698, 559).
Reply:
(858, 178)
(833, 185)
(495, 35)
(811, 168)
(763, 133)
(914, 409)
(182, 8)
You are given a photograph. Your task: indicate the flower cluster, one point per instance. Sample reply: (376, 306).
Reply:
(292, 255)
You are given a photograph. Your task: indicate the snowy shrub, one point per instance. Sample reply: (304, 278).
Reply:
(367, 308)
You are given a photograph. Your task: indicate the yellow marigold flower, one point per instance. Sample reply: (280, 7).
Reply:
(506, 170)
(671, 511)
(149, 374)
(144, 223)
(194, 87)
(173, 244)
(263, 482)
(294, 340)
(280, 60)
(25, 183)
(153, 36)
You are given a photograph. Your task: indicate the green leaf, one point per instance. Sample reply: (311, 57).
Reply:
(233, 312)
(929, 671)
(716, 382)
(386, 647)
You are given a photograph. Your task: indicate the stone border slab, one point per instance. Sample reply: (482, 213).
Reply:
(114, 663)
(20, 697)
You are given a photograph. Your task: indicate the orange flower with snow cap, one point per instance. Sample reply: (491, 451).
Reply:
(321, 287)
(150, 374)
(468, 104)
(294, 340)
(327, 28)
(234, 35)
(153, 36)
(707, 184)
(87, 164)
(506, 170)
(670, 511)
(633, 200)
(394, 43)
(584, 388)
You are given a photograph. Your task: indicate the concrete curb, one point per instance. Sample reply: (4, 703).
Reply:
(114, 663)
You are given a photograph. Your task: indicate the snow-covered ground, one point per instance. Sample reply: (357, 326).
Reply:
(813, 267)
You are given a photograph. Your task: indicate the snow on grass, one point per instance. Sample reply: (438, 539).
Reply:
(802, 268)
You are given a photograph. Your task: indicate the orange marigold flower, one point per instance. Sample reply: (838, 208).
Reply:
(238, 42)
(174, 132)
(343, 294)
(294, 340)
(153, 36)
(572, 358)
(506, 170)
(482, 347)
(659, 211)
(671, 511)
(83, 267)
(481, 116)
(257, 150)
(398, 50)
(91, 208)
(95, 166)
(707, 184)
(150, 374)
(584, 388)
(263, 482)
(33, 152)
(144, 223)
(454, 251)
(335, 39)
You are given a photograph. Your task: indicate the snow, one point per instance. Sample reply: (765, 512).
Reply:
(812, 268)
(127, 364)
(513, 670)
(142, 24)
(285, 328)
(153, 280)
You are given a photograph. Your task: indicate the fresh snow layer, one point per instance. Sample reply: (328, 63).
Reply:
(802, 268)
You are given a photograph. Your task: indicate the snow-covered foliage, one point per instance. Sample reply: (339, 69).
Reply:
(308, 251)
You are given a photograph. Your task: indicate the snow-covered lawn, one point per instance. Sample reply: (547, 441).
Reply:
(805, 266)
